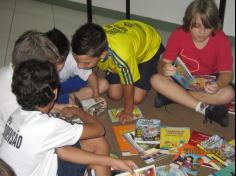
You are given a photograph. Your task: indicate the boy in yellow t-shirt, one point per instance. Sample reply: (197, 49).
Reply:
(128, 51)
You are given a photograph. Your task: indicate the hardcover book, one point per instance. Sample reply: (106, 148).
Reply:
(188, 81)
(125, 147)
(147, 131)
(144, 171)
(171, 138)
(113, 113)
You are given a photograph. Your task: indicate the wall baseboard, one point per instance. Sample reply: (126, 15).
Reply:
(159, 24)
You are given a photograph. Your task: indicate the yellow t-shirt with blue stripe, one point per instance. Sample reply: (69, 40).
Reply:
(130, 43)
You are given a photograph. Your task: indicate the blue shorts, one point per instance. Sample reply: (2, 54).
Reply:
(66, 168)
(69, 86)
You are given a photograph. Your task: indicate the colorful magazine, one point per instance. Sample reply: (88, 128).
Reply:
(113, 113)
(189, 159)
(188, 81)
(226, 171)
(125, 147)
(140, 147)
(218, 149)
(170, 170)
(147, 131)
(197, 137)
(144, 171)
(171, 138)
(153, 155)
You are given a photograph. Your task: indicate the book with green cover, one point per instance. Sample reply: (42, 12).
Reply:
(113, 113)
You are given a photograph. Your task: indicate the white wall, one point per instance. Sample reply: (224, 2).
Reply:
(165, 10)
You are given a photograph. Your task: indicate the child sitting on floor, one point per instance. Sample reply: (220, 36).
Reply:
(33, 137)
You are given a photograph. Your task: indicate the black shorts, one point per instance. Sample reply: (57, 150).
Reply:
(146, 70)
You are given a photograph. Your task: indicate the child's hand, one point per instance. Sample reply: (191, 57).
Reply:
(169, 70)
(124, 116)
(124, 165)
(69, 112)
(211, 88)
(104, 102)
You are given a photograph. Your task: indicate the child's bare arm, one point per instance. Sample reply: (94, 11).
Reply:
(166, 68)
(92, 128)
(93, 82)
(80, 156)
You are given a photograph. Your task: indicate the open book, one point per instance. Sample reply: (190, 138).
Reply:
(92, 106)
(187, 80)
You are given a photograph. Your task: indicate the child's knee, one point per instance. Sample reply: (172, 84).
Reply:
(103, 85)
(102, 146)
(115, 95)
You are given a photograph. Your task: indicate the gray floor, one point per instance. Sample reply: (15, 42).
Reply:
(17, 16)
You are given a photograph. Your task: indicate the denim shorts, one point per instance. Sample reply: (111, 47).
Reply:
(66, 168)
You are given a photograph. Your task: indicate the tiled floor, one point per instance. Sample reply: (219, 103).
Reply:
(17, 16)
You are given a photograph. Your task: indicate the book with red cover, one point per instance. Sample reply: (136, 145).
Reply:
(197, 137)
(125, 147)
(231, 107)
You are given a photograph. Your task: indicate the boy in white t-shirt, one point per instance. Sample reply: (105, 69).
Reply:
(33, 137)
(75, 82)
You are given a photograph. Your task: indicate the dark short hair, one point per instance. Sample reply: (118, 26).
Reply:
(89, 39)
(33, 83)
(208, 12)
(5, 169)
(59, 39)
(33, 44)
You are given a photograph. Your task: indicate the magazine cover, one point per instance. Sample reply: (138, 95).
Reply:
(147, 131)
(144, 171)
(140, 147)
(153, 155)
(92, 106)
(170, 170)
(188, 81)
(197, 137)
(182, 75)
(171, 138)
(125, 147)
(113, 113)
(198, 83)
(189, 159)
(218, 149)
(226, 171)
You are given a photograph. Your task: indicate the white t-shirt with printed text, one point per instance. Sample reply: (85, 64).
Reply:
(8, 103)
(30, 140)
(71, 69)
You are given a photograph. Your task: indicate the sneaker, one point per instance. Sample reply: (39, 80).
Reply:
(218, 113)
(161, 100)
